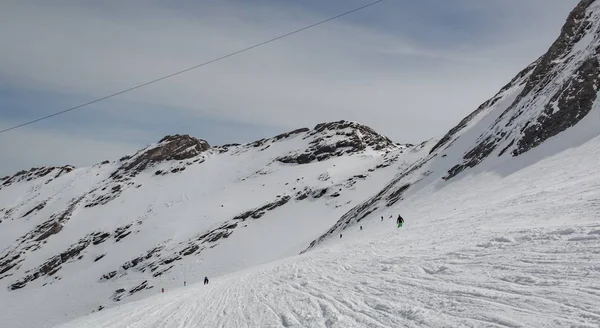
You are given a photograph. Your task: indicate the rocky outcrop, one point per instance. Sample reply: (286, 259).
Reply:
(160, 259)
(259, 212)
(169, 148)
(566, 108)
(181, 149)
(52, 265)
(558, 93)
(48, 173)
(336, 139)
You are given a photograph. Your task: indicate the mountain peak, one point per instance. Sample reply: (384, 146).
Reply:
(171, 147)
(334, 139)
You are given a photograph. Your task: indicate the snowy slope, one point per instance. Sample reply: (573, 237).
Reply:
(493, 251)
(547, 108)
(176, 211)
(502, 221)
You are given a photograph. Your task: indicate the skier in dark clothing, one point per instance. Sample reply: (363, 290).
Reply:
(400, 221)
(206, 280)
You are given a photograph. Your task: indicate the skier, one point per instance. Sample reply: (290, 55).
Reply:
(400, 221)
(382, 218)
(163, 289)
(184, 283)
(360, 227)
(205, 280)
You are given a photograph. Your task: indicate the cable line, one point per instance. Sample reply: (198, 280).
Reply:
(192, 68)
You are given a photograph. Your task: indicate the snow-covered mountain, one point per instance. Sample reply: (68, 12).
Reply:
(547, 108)
(502, 221)
(89, 238)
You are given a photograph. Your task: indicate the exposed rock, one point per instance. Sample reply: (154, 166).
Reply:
(289, 134)
(37, 208)
(354, 138)
(142, 286)
(558, 91)
(319, 193)
(99, 237)
(574, 101)
(170, 148)
(118, 295)
(52, 265)
(50, 173)
(268, 207)
(122, 232)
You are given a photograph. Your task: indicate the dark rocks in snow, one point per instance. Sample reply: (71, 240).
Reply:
(140, 287)
(143, 263)
(99, 257)
(302, 195)
(9, 261)
(108, 276)
(191, 249)
(52, 226)
(169, 148)
(54, 264)
(161, 272)
(289, 134)
(573, 102)
(560, 107)
(396, 195)
(356, 138)
(118, 295)
(39, 207)
(122, 232)
(36, 173)
(258, 212)
(319, 193)
(99, 237)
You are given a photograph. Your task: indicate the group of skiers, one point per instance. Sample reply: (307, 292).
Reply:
(399, 222)
(185, 284)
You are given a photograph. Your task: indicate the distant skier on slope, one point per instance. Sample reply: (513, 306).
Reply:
(400, 221)
(206, 280)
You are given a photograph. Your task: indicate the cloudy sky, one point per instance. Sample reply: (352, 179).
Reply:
(409, 69)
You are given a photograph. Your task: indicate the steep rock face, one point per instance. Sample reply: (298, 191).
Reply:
(560, 91)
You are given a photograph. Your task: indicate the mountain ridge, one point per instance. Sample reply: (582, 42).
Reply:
(552, 97)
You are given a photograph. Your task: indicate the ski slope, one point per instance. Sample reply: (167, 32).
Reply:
(104, 235)
(488, 250)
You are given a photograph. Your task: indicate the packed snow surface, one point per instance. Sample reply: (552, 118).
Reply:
(488, 250)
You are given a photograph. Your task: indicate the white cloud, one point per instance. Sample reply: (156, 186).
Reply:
(403, 88)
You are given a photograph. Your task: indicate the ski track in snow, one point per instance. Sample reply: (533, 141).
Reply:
(553, 281)
(485, 251)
